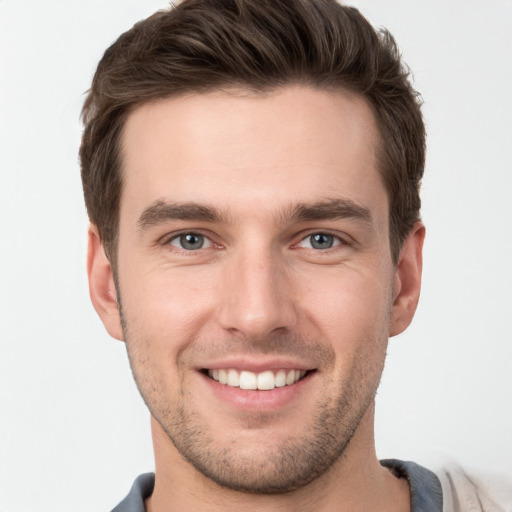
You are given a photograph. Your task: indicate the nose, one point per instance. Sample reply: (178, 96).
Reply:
(257, 299)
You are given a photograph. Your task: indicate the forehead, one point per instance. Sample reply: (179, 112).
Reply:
(243, 150)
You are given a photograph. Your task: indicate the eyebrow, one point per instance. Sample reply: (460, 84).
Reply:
(162, 211)
(330, 209)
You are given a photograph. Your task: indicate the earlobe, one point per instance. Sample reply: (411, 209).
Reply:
(407, 280)
(101, 285)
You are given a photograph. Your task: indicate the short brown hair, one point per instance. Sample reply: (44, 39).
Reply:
(262, 45)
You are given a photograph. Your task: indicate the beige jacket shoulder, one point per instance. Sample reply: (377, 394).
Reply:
(466, 492)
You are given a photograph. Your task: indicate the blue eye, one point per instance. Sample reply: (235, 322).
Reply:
(190, 241)
(320, 241)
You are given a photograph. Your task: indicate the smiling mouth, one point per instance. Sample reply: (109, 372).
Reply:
(263, 381)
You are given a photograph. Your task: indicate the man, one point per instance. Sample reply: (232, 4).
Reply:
(251, 171)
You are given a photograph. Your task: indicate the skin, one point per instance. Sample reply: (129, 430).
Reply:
(248, 172)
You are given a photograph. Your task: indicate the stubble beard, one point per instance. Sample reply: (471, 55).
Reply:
(291, 463)
(272, 468)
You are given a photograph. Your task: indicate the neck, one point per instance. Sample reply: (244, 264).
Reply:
(355, 482)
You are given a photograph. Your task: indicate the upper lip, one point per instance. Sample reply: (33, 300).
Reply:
(256, 365)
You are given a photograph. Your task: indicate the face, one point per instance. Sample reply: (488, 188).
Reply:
(255, 279)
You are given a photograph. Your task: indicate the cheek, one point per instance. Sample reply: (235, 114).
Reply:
(348, 307)
(353, 318)
(166, 307)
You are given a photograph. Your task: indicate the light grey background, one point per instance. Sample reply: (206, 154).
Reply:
(73, 430)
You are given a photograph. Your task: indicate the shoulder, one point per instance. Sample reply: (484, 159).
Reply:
(141, 489)
(425, 487)
(452, 488)
(468, 490)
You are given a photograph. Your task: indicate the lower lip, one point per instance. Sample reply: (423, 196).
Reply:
(257, 400)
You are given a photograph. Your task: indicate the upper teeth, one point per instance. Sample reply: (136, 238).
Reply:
(249, 380)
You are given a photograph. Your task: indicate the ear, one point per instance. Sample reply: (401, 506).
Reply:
(407, 281)
(101, 285)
